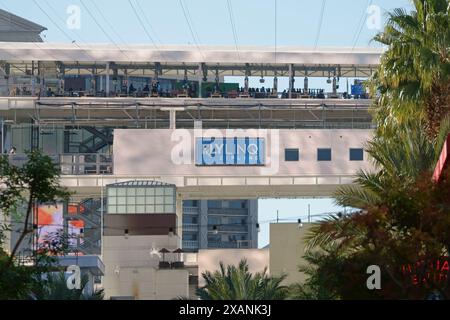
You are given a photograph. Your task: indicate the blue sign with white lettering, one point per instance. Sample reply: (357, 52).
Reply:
(230, 152)
(358, 90)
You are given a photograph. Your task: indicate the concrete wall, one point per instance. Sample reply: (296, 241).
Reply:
(287, 247)
(130, 269)
(151, 152)
(209, 260)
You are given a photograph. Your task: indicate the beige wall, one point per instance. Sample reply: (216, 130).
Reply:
(130, 270)
(209, 260)
(287, 247)
(149, 152)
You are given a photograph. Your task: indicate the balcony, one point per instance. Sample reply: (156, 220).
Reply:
(242, 244)
(231, 228)
(190, 227)
(190, 244)
(228, 212)
(190, 210)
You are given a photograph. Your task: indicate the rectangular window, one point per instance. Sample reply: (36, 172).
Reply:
(214, 204)
(140, 192)
(291, 155)
(356, 154)
(323, 154)
(237, 204)
(112, 209)
(213, 221)
(190, 236)
(190, 203)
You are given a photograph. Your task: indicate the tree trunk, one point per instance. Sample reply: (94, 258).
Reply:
(24, 233)
(437, 107)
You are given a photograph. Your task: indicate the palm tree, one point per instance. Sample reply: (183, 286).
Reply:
(414, 76)
(237, 283)
(318, 284)
(392, 212)
(399, 160)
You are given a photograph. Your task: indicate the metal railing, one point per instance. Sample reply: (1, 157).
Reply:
(191, 210)
(190, 227)
(75, 164)
(242, 244)
(89, 164)
(190, 244)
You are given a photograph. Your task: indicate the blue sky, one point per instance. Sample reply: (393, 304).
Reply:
(343, 24)
(297, 22)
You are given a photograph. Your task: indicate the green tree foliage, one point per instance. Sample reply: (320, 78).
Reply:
(237, 283)
(36, 181)
(413, 79)
(404, 222)
(403, 225)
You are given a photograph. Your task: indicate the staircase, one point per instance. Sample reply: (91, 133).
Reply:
(88, 139)
(90, 213)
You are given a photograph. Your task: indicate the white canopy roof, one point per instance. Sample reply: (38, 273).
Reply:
(225, 55)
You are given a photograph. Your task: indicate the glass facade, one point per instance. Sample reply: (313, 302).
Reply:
(234, 222)
(141, 199)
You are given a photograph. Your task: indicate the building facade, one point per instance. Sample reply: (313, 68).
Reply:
(139, 188)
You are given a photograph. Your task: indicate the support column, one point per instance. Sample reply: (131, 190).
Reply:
(291, 80)
(334, 86)
(306, 84)
(200, 80)
(253, 220)
(203, 222)
(179, 212)
(173, 119)
(61, 75)
(2, 146)
(275, 85)
(107, 80)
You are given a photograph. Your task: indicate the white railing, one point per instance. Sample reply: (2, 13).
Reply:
(190, 227)
(204, 181)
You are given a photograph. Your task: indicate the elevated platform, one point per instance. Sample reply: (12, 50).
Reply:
(218, 113)
(222, 187)
(173, 59)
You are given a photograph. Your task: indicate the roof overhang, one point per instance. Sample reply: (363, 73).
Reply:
(222, 55)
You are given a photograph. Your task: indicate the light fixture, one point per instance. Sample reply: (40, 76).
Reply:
(170, 232)
(126, 234)
(258, 227)
(215, 230)
(300, 224)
